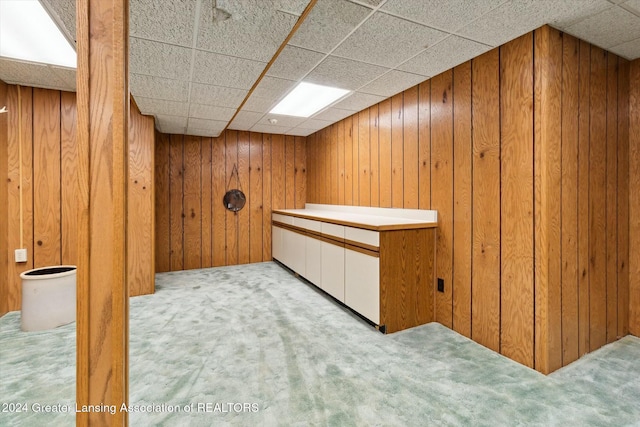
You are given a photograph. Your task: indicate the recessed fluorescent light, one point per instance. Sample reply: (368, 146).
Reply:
(308, 98)
(27, 32)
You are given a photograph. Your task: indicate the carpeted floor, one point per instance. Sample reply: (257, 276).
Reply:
(285, 354)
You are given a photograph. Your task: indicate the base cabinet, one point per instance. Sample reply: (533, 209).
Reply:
(313, 261)
(362, 284)
(333, 263)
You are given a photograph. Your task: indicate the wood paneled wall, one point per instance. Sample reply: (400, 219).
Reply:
(4, 217)
(521, 151)
(193, 229)
(634, 198)
(50, 192)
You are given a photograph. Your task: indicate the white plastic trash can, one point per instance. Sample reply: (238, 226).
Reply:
(48, 297)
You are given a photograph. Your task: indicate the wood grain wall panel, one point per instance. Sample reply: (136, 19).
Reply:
(218, 212)
(255, 197)
(192, 203)
(325, 190)
(584, 86)
(300, 170)
(4, 202)
(364, 159)
(290, 174)
(485, 292)
(634, 197)
(462, 194)
(278, 172)
(177, 214)
(68, 178)
(341, 161)
(205, 204)
(623, 197)
(348, 161)
(46, 178)
(375, 156)
(411, 149)
(397, 151)
(597, 194)
(231, 218)
(312, 159)
(355, 153)
(384, 141)
(162, 203)
(245, 213)
(442, 194)
(569, 201)
(424, 145)
(332, 182)
(612, 198)
(516, 225)
(266, 196)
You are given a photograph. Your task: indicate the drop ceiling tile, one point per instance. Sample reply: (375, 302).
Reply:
(517, 17)
(171, 124)
(213, 125)
(68, 76)
(293, 7)
(300, 131)
(158, 88)
(314, 124)
(289, 121)
(293, 63)
(255, 30)
(217, 95)
(388, 41)
(447, 15)
(31, 74)
(629, 50)
(222, 70)
(211, 112)
(370, 3)
(358, 101)
(328, 23)
(273, 88)
(210, 133)
(333, 114)
(447, 54)
(159, 59)
(257, 104)
(65, 14)
(164, 21)
(270, 128)
(245, 120)
(344, 73)
(171, 129)
(632, 6)
(162, 106)
(609, 28)
(391, 83)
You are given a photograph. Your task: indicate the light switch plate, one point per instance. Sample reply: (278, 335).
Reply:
(21, 255)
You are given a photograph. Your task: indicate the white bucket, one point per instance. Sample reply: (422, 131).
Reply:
(48, 297)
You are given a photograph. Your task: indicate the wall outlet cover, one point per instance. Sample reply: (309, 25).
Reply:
(21, 255)
(440, 285)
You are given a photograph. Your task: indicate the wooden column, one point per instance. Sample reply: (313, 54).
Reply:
(103, 112)
(634, 198)
(4, 218)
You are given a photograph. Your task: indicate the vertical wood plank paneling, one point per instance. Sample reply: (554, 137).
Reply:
(245, 213)
(192, 209)
(348, 161)
(516, 225)
(205, 205)
(611, 198)
(397, 151)
(597, 193)
(326, 166)
(364, 159)
(569, 201)
(311, 168)
(68, 178)
(354, 158)
(231, 218)
(162, 203)
(584, 86)
(4, 202)
(384, 135)
(442, 194)
(375, 156)
(255, 197)
(176, 190)
(218, 183)
(332, 182)
(278, 172)
(300, 171)
(411, 149)
(485, 293)
(341, 162)
(266, 196)
(623, 196)
(462, 153)
(290, 174)
(424, 140)
(46, 177)
(634, 197)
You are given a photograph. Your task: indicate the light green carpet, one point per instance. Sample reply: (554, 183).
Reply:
(254, 334)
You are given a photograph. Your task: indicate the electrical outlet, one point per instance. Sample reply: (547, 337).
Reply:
(440, 285)
(21, 255)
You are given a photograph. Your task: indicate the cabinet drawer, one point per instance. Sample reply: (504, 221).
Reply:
(333, 230)
(307, 224)
(358, 235)
(285, 219)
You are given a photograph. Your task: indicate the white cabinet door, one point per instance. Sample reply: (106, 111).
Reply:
(362, 284)
(332, 261)
(293, 250)
(276, 243)
(313, 268)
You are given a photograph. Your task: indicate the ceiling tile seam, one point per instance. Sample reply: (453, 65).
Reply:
(629, 9)
(583, 18)
(160, 41)
(362, 3)
(194, 43)
(628, 41)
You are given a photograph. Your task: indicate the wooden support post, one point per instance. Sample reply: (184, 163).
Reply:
(103, 112)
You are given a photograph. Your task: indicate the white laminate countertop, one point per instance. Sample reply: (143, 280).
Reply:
(360, 220)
